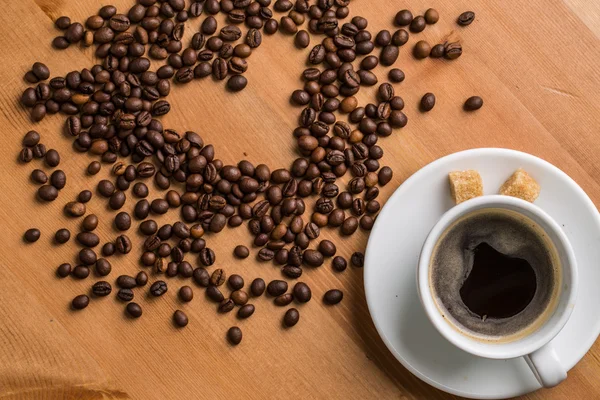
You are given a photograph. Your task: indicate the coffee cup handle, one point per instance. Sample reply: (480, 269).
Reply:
(546, 366)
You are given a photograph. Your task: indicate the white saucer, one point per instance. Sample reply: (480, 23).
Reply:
(391, 263)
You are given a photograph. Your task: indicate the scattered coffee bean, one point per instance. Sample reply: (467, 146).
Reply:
(358, 259)
(466, 18)
(245, 311)
(403, 18)
(241, 251)
(473, 103)
(80, 302)
(234, 335)
(333, 296)
(62, 236)
(64, 270)
(418, 24)
(158, 288)
(141, 279)
(180, 319)
(257, 288)
(125, 295)
(32, 235)
(101, 288)
(291, 317)
(274, 288)
(427, 102)
(339, 263)
(422, 49)
(133, 309)
(186, 294)
(302, 292)
(431, 16)
(236, 282)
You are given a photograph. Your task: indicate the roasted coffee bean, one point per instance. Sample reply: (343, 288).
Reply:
(123, 244)
(473, 103)
(257, 288)
(291, 317)
(201, 277)
(80, 302)
(427, 102)
(313, 258)
(214, 294)
(274, 288)
(32, 235)
(466, 18)
(349, 226)
(431, 16)
(75, 209)
(226, 306)
(180, 319)
(52, 158)
(358, 259)
(385, 175)
(101, 288)
(422, 49)
(418, 24)
(389, 55)
(302, 292)
(339, 263)
(63, 270)
(327, 248)
(452, 50)
(123, 221)
(103, 267)
(245, 311)
(62, 236)
(239, 297)
(126, 282)
(141, 279)
(134, 310)
(31, 138)
(283, 300)
(403, 18)
(437, 51)
(218, 277)
(88, 239)
(158, 288)
(81, 272)
(186, 294)
(333, 296)
(234, 335)
(125, 295)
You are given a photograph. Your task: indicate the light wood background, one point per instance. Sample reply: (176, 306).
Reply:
(535, 63)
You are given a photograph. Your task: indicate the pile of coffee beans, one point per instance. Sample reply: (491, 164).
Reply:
(113, 112)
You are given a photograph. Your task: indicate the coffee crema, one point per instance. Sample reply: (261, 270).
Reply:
(495, 275)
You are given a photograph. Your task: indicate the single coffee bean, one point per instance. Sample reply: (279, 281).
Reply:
(327, 248)
(437, 51)
(276, 288)
(431, 16)
(158, 288)
(226, 306)
(214, 294)
(339, 263)
(385, 176)
(62, 236)
(125, 295)
(291, 317)
(207, 257)
(403, 18)
(84, 196)
(283, 300)
(93, 168)
(257, 288)
(396, 75)
(452, 50)
(427, 102)
(333, 296)
(103, 267)
(422, 49)
(358, 259)
(186, 294)
(313, 258)
(218, 277)
(126, 282)
(473, 103)
(418, 24)
(123, 221)
(234, 335)
(80, 302)
(123, 244)
(246, 311)
(134, 310)
(400, 37)
(75, 209)
(302, 292)
(180, 319)
(32, 235)
(63, 270)
(239, 297)
(101, 288)
(52, 158)
(466, 18)
(236, 282)
(81, 272)
(141, 279)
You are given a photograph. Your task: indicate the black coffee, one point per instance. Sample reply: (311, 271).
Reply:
(494, 274)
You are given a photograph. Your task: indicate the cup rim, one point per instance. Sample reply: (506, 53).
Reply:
(509, 350)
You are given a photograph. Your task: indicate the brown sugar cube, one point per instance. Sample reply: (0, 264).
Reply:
(521, 185)
(465, 185)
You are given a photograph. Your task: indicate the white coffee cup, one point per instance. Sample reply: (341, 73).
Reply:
(535, 346)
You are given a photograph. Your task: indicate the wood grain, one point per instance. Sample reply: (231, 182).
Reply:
(536, 65)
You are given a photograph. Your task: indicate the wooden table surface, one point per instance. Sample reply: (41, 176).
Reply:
(536, 65)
